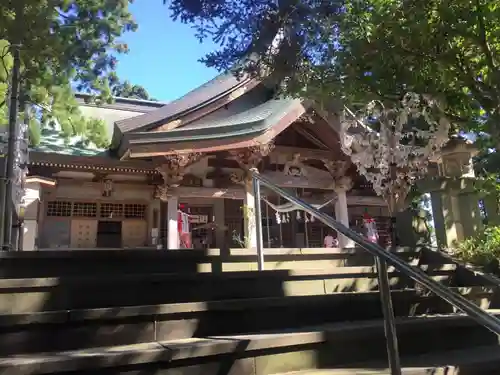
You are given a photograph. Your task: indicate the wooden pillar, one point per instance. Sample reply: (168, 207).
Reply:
(250, 225)
(342, 215)
(172, 223)
(162, 242)
(342, 183)
(172, 170)
(248, 159)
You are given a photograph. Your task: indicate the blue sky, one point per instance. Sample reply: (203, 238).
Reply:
(163, 54)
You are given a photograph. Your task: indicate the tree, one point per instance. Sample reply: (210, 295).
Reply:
(355, 51)
(124, 89)
(64, 43)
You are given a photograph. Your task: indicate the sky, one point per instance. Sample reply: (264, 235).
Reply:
(164, 54)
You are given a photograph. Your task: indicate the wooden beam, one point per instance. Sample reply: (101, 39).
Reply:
(219, 162)
(204, 192)
(354, 200)
(310, 137)
(285, 151)
(41, 180)
(90, 163)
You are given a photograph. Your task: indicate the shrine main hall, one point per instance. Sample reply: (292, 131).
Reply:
(192, 156)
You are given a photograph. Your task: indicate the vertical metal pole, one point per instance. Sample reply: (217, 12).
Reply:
(281, 228)
(267, 226)
(11, 150)
(20, 237)
(388, 312)
(258, 224)
(306, 231)
(394, 233)
(305, 226)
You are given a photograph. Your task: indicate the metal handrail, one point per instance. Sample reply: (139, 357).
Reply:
(382, 256)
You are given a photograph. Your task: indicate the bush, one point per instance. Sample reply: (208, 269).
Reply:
(481, 250)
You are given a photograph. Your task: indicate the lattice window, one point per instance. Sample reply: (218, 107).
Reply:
(84, 209)
(135, 211)
(111, 210)
(59, 208)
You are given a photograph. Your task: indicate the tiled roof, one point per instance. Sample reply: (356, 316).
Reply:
(123, 104)
(221, 85)
(52, 142)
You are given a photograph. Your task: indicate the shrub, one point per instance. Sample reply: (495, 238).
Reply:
(481, 249)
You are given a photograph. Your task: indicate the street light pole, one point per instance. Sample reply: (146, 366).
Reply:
(8, 180)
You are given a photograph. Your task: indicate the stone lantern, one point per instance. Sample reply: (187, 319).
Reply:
(456, 158)
(455, 202)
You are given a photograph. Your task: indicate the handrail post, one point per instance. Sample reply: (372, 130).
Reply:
(391, 338)
(489, 321)
(258, 224)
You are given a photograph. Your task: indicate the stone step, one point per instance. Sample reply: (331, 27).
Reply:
(44, 294)
(85, 328)
(111, 262)
(367, 371)
(340, 346)
(483, 360)
(245, 260)
(65, 293)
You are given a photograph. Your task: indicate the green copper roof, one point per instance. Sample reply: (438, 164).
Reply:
(252, 121)
(51, 141)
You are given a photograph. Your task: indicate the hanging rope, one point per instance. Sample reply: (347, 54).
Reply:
(267, 227)
(305, 226)
(289, 207)
(281, 229)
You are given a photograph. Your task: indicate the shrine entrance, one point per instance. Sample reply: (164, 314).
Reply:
(200, 218)
(109, 234)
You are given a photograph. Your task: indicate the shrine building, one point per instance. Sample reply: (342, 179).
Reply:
(191, 156)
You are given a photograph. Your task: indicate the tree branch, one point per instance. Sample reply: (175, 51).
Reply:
(482, 37)
(475, 86)
(7, 73)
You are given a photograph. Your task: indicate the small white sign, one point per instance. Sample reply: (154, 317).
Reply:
(198, 219)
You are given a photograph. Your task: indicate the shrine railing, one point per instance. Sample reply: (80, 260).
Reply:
(382, 257)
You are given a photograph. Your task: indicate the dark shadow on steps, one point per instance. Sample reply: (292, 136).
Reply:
(63, 325)
(159, 325)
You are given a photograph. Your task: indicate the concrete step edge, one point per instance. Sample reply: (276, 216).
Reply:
(121, 312)
(169, 351)
(334, 272)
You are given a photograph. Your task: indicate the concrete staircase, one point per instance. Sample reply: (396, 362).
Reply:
(190, 312)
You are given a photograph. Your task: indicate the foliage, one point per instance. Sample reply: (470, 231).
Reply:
(482, 249)
(124, 89)
(63, 43)
(371, 49)
(488, 184)
(236, 237)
